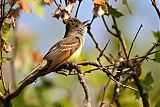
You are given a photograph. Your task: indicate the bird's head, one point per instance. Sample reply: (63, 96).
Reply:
(75, 26)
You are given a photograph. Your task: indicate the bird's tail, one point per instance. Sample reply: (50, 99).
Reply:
(34, 71)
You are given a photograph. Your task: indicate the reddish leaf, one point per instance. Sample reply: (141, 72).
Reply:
(99, 10)
(24, 5)
(100, 7)
(8, 48)
(56, 14)
(67, 11)
(11, 2)
(64, 13)
(37, 57)
(72, 1)
(100, 2)
(48, 1)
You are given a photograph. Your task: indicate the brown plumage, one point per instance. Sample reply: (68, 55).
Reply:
(67, 49)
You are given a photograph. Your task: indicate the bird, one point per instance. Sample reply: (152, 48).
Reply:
(66, 50)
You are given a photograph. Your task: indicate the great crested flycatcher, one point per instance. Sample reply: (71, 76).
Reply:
(67, 49)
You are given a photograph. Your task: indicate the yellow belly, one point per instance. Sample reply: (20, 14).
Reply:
(76, 54)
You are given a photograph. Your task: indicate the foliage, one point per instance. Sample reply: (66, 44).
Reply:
(104, 76)
(114, 12)
(157, 38)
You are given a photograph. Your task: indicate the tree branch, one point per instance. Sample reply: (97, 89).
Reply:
(156, 8)
(97, 46)
(84, 85)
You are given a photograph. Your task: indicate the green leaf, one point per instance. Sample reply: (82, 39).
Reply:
(5, 59)
(137, 95)
(39, 10)
(158, 104)
(157, 57)
(147, 82)
(38, 7)
(157, 38)
(126, 4)
(156, 35)
(113, 12)
(5, 31)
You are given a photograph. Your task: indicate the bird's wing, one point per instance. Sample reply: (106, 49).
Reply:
(61, 51)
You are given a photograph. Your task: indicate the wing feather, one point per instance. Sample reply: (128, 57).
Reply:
(61, 51)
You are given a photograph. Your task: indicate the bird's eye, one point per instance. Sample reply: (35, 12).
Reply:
(76, 25)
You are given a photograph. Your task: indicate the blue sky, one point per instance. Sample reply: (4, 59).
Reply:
(49, 30)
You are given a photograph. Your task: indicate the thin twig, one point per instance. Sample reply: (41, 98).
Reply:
(104, 92)
(4, 4)
(134, 41)
(85, 63)
(1, 54)
(108, 27)
(101, 53)
(44, 72)
(56, 3)
(117, 90)
(117, 102)
(143, 94)
(119, 35)
(80, 1)
(141, 59)
(115, 94)
(10, 10)
(3, 84)
(60, 1)
(58, 6)
(117, 82)
(156, 8)
(128, 8)
(84, 85)
(1, 9)
(97, 46)
(29, 81)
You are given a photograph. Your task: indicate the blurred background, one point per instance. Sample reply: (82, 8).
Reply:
(36, 32)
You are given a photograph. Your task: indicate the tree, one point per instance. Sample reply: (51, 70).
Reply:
(106, 77)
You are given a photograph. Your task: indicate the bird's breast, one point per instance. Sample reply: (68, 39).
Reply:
(76, 54)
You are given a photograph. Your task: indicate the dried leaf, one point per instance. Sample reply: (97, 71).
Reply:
(11, 2)
(24, 5)
(56, 14)
(72, 1)
(100, 7)
(8, 47)
(99, 10)
(69, 8)
(37, 57)
(67, 11)
(64, 13)
(100, 2)
(49, 2)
